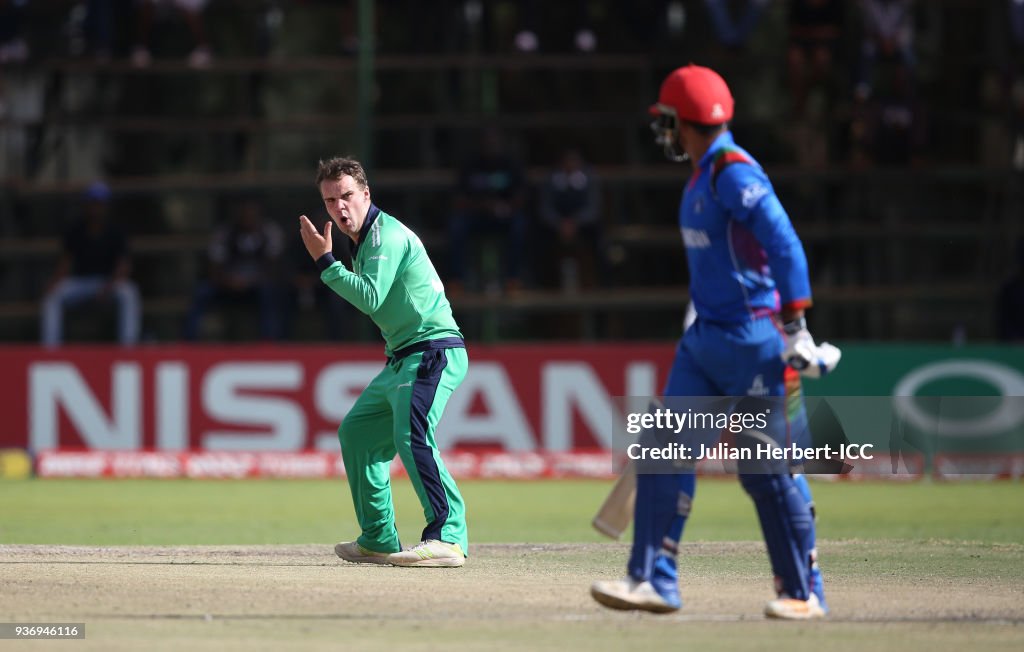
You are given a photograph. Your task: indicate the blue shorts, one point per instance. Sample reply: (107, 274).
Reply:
(739, 359)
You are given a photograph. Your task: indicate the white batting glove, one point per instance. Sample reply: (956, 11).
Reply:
(810, 359)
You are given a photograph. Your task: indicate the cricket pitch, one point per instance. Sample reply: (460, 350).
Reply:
(900, 595)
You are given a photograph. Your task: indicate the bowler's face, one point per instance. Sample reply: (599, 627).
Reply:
(346, 203)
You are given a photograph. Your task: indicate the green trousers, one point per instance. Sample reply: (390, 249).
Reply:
(398, 412)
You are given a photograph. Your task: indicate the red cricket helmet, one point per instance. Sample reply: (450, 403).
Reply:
(695, 94)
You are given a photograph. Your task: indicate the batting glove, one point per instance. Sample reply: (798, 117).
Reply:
(810, 359)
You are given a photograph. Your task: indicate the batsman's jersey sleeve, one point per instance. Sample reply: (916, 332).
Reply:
(393, 281)
(749, 198)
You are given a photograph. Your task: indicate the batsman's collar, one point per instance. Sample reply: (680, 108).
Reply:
(724, 140)
(325, 261)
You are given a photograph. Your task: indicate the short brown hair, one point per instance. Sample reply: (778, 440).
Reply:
(338, 167)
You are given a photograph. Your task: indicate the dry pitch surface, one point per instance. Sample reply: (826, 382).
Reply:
(507, 597)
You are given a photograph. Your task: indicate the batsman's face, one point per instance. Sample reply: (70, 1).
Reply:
(667, 136)
(346, 203)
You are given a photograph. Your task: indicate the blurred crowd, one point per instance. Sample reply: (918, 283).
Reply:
(858, 64)
(863, 56)
(822, 82)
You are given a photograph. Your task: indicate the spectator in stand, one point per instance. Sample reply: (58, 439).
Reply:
(93, 26)
(341, 19)
(1016, 90)
(244, 259)
(735, 33)
(1016, 8)
(18, 99)
(570, 211)
(815, 28)
(1010, 303)
(888, 36)
(890, 126)
(192, 11)
(13, 47)
(527, 39)
(489, 201)
(95, 266)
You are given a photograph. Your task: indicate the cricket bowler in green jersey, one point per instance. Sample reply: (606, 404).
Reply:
(393, 281)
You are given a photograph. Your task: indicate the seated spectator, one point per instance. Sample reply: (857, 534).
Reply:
(815, 28)
(891, 127)
(1010, 303)
(1016, 82)
(92, 26)
(735, 33)
(888, 36)
(192, 11)
(1016, 8)
(570, 210)
(13, 46)
(244, 259)
(94, 267)
(527, 39)
(489, 201)
(340, 19)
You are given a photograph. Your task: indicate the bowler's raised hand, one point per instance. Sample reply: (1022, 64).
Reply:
(316, 244)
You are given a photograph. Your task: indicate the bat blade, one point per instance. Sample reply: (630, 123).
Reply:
(616, 512)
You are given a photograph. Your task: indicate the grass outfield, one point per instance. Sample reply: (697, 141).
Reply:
(194, 512)
(248, 565)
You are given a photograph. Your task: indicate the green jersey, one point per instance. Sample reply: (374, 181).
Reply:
(393, 281)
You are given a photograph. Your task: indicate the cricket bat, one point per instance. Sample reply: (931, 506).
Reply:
(616, 512)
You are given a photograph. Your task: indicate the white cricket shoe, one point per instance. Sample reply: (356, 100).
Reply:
(430, 554)
(629, 594)
(355, 553)
(788, 608)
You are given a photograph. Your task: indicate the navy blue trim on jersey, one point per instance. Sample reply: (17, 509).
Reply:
(428, 376)
(371, 217)
(429, 345)
(325, 261)
(328, 259)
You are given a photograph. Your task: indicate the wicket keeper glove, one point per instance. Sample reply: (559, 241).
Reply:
(810, 359)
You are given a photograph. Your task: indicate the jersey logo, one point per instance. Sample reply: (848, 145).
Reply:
(437, 285)
(752, 194)
(696, 238)
(757, 388)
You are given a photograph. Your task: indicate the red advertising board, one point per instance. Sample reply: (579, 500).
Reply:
(284, 399)
(206, 465)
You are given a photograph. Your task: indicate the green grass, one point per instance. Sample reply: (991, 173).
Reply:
(165, 512)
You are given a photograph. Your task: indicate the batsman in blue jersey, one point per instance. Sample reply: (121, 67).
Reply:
(749, 286)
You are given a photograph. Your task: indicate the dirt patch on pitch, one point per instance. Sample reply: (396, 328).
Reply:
(282, 591)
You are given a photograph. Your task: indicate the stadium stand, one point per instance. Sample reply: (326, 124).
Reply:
(909, 245)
